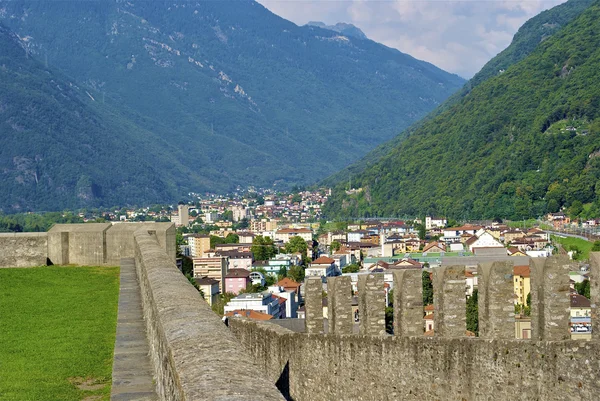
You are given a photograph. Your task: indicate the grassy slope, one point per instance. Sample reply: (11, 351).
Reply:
(57, 323)
(584, 246)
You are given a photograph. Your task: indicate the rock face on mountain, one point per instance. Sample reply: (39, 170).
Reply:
(61, 148)
(244, 96)
(341, 27)
(520, 143)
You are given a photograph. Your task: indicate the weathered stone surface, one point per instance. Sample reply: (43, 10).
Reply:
(550, 302)
(450, 313)
(347, 367)
(193, 354)
(23, 249)
(339, 305)
(313, 305)
(371, 304)
(595, 293)
(408, 302)
(496, 300)
(132, 372)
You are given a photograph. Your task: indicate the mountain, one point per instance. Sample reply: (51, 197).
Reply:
(341, 27)
(246, 97)
(520, 144)
(62, 149)
(528, 37)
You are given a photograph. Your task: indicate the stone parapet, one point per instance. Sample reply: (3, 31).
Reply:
(339, 305)
(194, 356)
(450, 313)
(23, 249)
(496, 295)
(313, 305)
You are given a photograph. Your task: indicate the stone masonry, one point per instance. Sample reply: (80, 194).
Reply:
(496, 294)
(339, 301)
(371, 304)
(313, 304)
(450, 316)
(408, 302)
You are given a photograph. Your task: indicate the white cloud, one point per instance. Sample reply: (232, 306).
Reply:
(458, 36)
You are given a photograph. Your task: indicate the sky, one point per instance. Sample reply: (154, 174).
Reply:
(457, 36)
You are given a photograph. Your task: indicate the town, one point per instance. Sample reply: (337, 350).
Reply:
(250, 254)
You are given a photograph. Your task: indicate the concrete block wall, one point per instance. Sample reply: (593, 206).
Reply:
(23, 249)
(195, 357)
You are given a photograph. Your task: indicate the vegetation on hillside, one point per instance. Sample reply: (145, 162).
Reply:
(490, 155)
(246, 97)
(63, 150)
(535, 31)
(58, 330)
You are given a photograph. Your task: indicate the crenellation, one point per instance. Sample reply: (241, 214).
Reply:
(496, 300)
(339, 305)
(408, 303)
(450, 313)
(550, 302)
(313, 305)
(371, 303)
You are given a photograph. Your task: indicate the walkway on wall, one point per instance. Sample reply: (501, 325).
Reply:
(132, 370)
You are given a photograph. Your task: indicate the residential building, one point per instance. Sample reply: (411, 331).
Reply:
(291, 306)
(215, 268)
(522, 283)
(264, 302)
(285, 234)
(240, 213)
(321, 267)
(250, 314)
(581, 318)
(237, 280)
(237, 259)
(257, 278)
(431, 222)
(485, 240)
(199, 244)
(210, 289)
(290, 285)
(210, 217)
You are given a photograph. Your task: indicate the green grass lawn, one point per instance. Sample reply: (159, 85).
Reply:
(57, 329)
(582, 245)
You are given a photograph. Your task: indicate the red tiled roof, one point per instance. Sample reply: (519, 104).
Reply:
(252, 314)
(323, 260)
(288, 283)
(522, 271)
(428, 308)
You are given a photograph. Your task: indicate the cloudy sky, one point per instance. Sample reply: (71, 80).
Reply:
(458, 36)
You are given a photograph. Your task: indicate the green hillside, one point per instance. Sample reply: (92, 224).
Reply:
(528, 37)
(520, 144)
(61, 148)
(247, 97)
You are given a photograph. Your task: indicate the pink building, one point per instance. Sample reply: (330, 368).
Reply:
(237, 280)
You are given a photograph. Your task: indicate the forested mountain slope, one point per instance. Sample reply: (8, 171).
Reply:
(248, 97)
(528, 37)
(520, 144)
(61, 149)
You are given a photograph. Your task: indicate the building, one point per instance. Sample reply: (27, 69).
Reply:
(240, 213)
(581, 318)
(199, 244)
(290, 285)
(215, 268)
(210, 289)
(237, 260)
(321, 267)
(522, 283)
(264, 302)
(263, 225)
(431, 222)
(285, 234)
(210, 217)
(184, 215)
(291, 306)
(250, 314)
(237, 280)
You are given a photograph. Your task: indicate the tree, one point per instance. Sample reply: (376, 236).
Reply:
(575, 209)
(296, 244)
(296, 273)
(596, 246)
(422, 231)
(232, 238)
(216, 240)
(219, 306)
(583, 288)
(263, 248)
(427, 289)
(473, 313)
(389, 320)
(352, 268)
(335, 246)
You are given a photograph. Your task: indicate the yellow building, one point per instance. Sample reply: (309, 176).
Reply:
(522, 284)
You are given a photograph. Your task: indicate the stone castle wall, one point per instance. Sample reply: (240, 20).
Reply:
(89, 244)
(195, 356)
(447, 366)
(23, 249)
